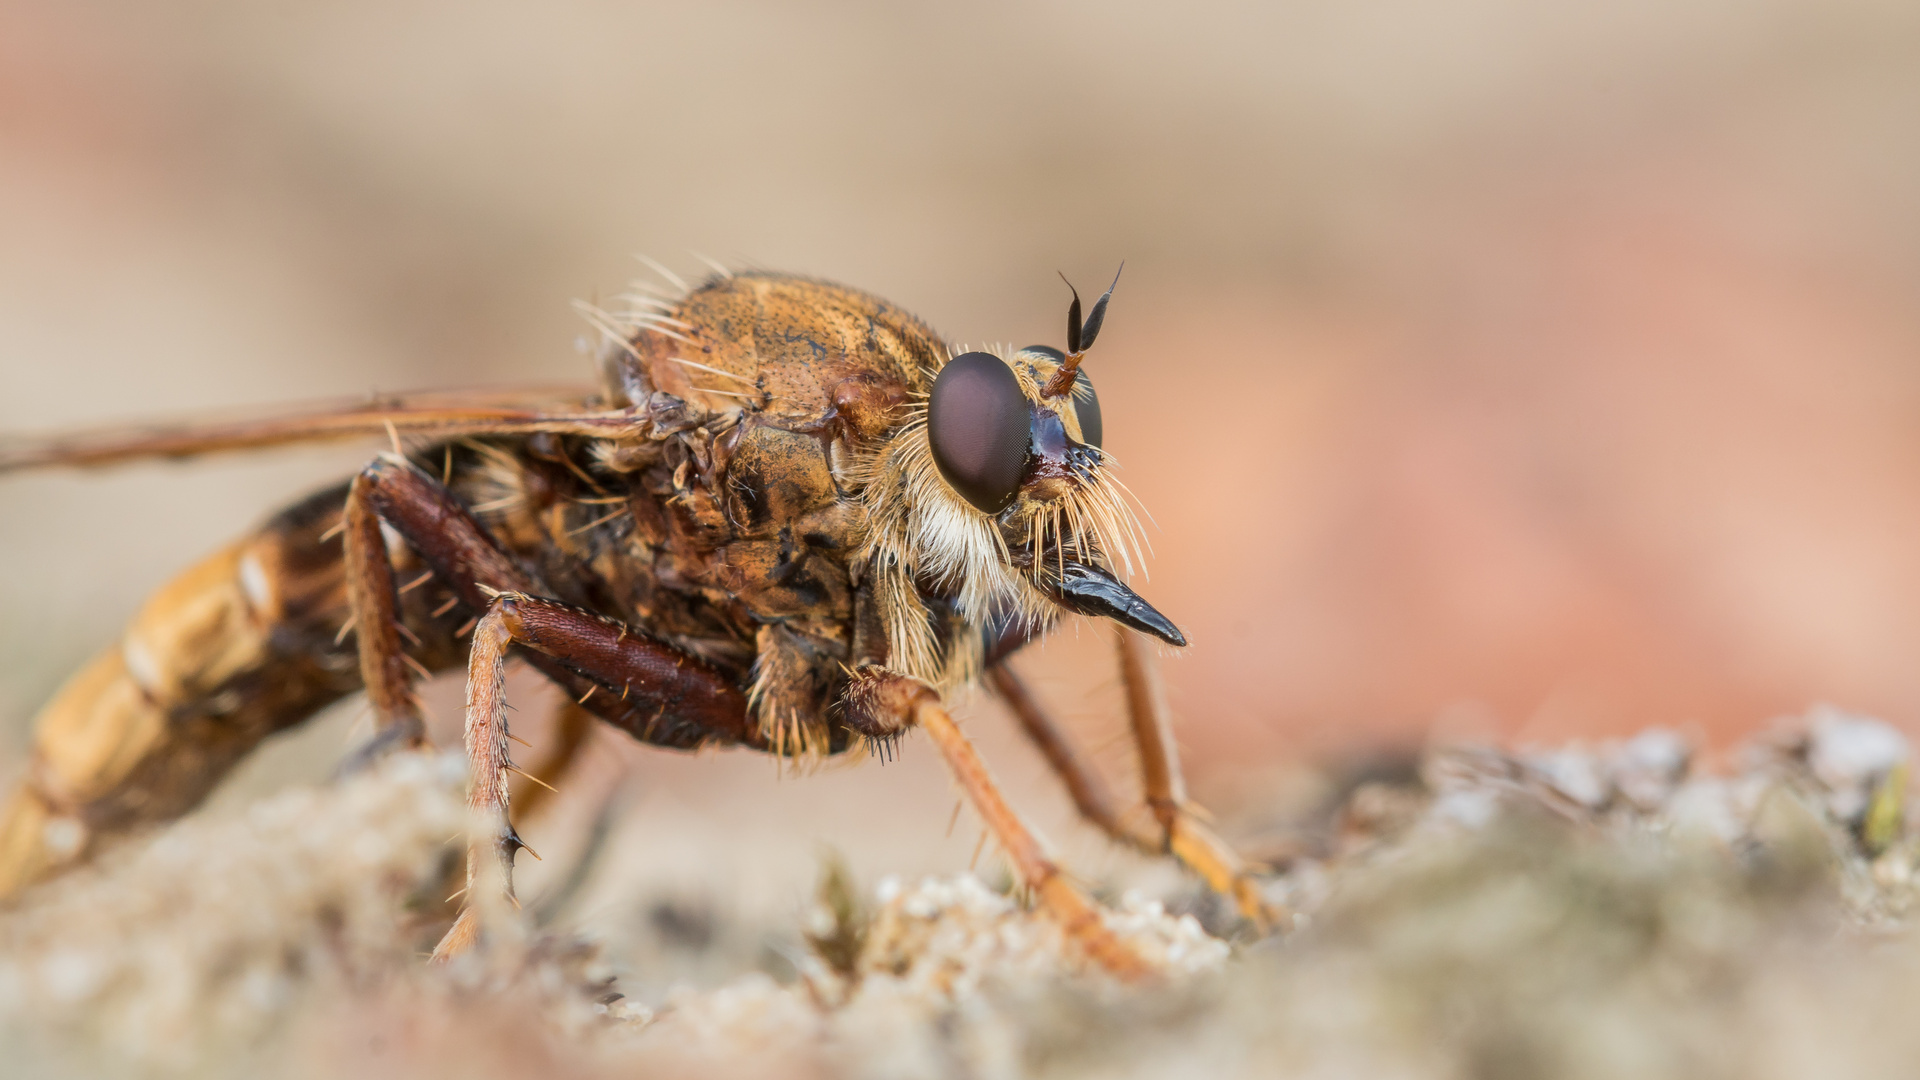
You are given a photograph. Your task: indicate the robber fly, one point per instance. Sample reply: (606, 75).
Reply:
(790, 519)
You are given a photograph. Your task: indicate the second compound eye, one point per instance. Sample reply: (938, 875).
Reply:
(977, 423)
(1086, 404)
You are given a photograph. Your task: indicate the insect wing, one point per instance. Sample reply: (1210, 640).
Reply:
(440, 415)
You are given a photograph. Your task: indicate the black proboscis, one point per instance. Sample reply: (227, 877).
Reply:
(1090, 590)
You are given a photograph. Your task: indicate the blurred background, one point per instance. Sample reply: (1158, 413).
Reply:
(1490, 368)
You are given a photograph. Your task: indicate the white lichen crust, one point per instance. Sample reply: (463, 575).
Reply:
(205, 936)
(1602, 912)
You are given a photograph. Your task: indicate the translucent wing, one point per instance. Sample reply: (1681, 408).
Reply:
(520, 411)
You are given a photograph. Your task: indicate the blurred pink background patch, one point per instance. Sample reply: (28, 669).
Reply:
(1487, 368)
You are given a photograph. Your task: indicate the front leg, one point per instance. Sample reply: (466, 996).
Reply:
(612, 657)
(1176, 827)
(1186, 836)
(791, 687)
(880, 704)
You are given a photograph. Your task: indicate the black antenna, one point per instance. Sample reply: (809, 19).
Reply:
(1073, 317)
(1091, 329)
(1079, 336)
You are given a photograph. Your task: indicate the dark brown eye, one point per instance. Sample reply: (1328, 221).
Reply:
(977, 422)
(1085, 401)
(1088, 407)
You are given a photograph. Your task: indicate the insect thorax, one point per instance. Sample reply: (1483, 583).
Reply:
(788, 482)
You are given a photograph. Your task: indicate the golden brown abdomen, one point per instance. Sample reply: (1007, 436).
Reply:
(234, 649)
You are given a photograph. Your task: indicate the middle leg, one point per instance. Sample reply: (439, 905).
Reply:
(374, 617)
(1187, 836)
(568, 734)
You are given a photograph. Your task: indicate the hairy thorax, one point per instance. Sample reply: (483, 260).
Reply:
(734, 530)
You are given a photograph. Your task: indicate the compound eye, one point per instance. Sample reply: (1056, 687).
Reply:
(977, 423)
(1088, 408)
(1085, 402)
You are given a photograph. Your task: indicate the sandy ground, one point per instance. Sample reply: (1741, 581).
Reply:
(1606, 911)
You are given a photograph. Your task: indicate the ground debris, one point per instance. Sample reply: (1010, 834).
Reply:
(1610, 911)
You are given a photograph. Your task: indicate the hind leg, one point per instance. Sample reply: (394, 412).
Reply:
(462, 555)
(623, 664)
